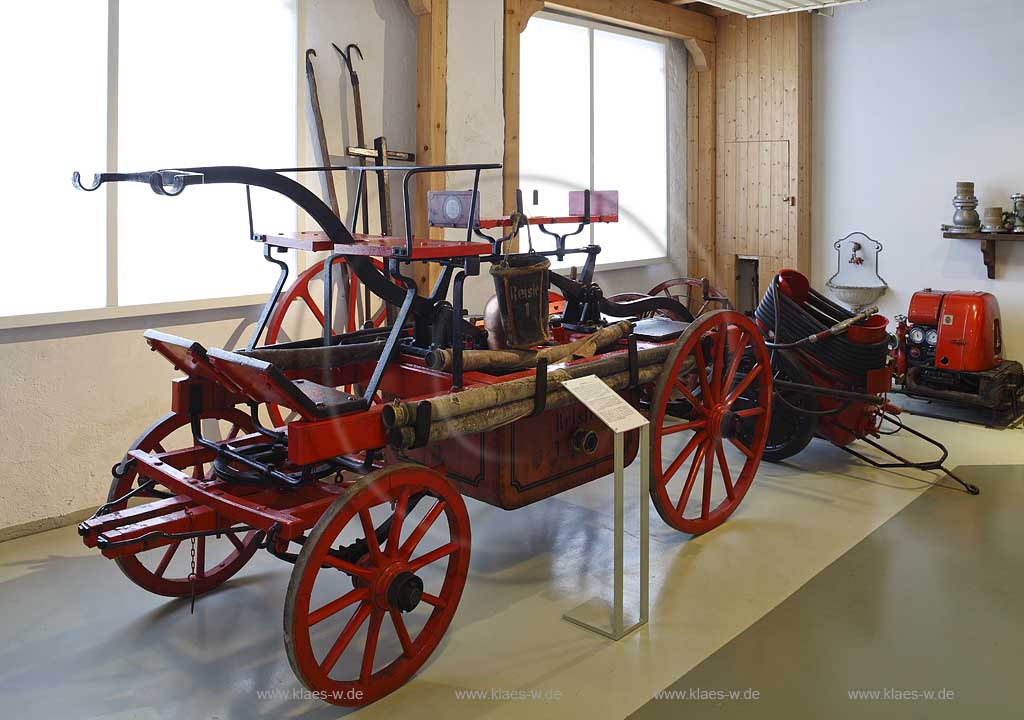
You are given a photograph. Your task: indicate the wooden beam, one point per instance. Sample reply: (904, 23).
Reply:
(431, 114)
(647, 15)
(419, 7)
(514, 24)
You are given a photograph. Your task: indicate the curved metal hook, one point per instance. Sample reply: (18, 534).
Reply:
(76, 180)
(346, 55)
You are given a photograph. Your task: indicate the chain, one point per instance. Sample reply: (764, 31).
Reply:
(192, 574)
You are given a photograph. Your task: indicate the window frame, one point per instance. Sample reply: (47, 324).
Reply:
(592, 25)
(112, 310)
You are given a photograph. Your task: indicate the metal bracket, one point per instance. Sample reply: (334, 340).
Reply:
(634, 363)
(540, 390)
(424, 410)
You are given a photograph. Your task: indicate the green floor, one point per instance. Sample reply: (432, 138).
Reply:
(925, 616)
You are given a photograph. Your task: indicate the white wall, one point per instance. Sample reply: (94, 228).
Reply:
(74, 396)
(911, 96)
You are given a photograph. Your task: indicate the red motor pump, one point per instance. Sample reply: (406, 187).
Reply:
(950, 347)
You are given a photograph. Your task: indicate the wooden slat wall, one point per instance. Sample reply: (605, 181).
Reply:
(762, 87)
(702, 184)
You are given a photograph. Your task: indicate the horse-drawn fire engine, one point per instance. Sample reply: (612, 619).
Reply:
(375, 432)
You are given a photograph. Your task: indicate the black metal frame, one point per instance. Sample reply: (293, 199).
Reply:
(902, 462)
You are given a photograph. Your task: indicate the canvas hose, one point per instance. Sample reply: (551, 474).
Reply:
(796, 321)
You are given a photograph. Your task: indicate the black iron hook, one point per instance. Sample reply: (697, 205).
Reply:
(346, 55)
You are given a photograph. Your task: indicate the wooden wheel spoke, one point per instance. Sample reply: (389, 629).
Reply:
(432, 556)
(417, 534)
(730, 491)
(743, 448)
(166, 559)
(395, 531)
(433, 600)
(690, 397)
(372, 545)
(750, 412)
(734, 366)
(691, 477)
(401, 631)
(313, 308)
(230, 534)
(682, 427)
(233, 432)
(709, 471)
(718, 348)
(348, 568)
(744, 384)
(370, 651)
(351, 628)
(702, 374)
(694, 443)
(337, 605)
(159, 448)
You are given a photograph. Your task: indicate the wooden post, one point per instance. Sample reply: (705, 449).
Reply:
(431, 116)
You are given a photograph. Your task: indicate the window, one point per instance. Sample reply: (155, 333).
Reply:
(132, 85)
(594, 114)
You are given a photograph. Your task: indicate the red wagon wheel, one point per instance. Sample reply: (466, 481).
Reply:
(165, 570)
(307, 300)
(695, 426)
(302, 301)
(376, 584)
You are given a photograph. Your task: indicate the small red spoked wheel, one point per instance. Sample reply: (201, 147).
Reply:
(369, 600)
(165, 570)
(696, 421)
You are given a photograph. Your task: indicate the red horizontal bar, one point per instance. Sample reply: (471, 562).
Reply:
(380, 246)
(548, 220)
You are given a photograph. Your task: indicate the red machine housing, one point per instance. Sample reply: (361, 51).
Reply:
(950, 347)
(968, 334)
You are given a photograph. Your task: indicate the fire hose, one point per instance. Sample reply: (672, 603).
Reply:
(800, 326)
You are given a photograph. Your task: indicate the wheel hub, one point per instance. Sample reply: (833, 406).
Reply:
(723, 422)
(729, 425)
(404, 592)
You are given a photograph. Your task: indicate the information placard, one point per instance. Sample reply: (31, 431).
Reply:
(604, 402)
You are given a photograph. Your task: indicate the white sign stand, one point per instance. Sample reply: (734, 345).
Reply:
(620, 417)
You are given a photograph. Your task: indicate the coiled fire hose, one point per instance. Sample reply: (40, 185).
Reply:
(795, 326)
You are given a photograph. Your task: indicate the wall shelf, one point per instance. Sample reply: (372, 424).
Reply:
(988, 245)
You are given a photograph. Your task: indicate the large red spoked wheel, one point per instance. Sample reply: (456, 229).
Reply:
(700, 468)
(165, 570)
(376, 584)
(305, 299)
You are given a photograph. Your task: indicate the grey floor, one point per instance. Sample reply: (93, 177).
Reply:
(931, 602)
